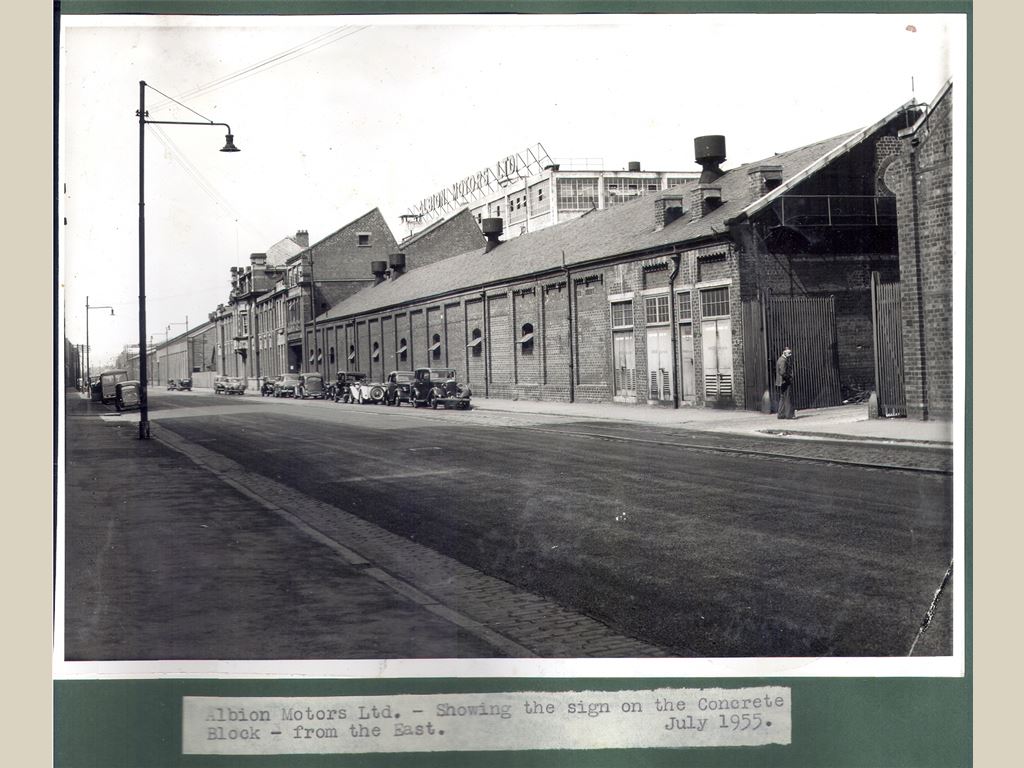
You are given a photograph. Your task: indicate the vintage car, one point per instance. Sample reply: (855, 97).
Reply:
(311, 385)
(435, 387)
(172, 385)
(285, 385)
(267, 386)
(184, 385)
(127, 394)
(108, 383)
(345, 386)
(228, 385)
(398, 387)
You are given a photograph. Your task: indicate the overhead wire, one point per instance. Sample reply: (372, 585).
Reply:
(320, 41)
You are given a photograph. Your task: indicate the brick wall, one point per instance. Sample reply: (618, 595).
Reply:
(525, 309)
(500, 346)
(454, 338)
(475, 364)
(593, 334)
(418, 339)
(922, 180)
(554, 346)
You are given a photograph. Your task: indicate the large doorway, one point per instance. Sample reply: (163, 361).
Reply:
(659, 364)
(624, 352)
(716, 345)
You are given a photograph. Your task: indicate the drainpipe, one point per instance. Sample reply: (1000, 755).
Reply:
(676, 260)
(572, 338)
(918, 279)
(487, 348)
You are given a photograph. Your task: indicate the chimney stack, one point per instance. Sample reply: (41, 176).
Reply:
(302, 238)
(378, 268)
(397, 263)
(492, 229)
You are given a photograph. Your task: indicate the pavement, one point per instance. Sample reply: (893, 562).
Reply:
(123, 491)
(841, 423)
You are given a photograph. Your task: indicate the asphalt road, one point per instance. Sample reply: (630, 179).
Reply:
(662, 535)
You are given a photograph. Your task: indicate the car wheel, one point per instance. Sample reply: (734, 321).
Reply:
(377, 394)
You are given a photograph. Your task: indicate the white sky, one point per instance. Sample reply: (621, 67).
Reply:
(404, 106)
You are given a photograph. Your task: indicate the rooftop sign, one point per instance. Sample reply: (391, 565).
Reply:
(519, 165)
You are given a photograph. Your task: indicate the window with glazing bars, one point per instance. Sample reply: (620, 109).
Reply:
(622, 314)
(577, 194)
(657, 309)
(685, 308)
(714, 302)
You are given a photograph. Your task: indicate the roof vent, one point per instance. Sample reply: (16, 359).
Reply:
(379, 269)
(709, 152)
(634, 166)
(492, 229)
(397, 263)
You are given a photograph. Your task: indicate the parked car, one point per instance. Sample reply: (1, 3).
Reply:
(95, 390)
(286, 384)
(311, 385)
(267, 386)
(399, 387)
(184, 385)
(228, 385)
(343, 385)
(108, 383)
(127, 394)
(364, 391)
(439, 387)
(171, 385)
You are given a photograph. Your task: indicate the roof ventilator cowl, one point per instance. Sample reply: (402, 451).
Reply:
(492, 229)
(379, 269)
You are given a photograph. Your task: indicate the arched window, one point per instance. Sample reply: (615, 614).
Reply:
(435, 347)
(376, 351)
(526, 340)
(332, 356)
(403, 350)
(352, 353)
(476, 343)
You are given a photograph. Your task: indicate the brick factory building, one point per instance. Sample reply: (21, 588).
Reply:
(922, 180)
(681, 295)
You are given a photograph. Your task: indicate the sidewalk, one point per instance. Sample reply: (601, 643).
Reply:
(164, 560)
(847, 422)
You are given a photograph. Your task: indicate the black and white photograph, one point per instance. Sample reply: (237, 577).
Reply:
(476, 345)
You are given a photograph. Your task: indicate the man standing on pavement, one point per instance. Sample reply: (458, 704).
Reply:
(784, 381)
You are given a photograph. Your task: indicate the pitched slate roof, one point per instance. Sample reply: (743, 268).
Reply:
(282, 250)
(623, 229)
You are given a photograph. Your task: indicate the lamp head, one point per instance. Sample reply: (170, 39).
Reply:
(229, 144)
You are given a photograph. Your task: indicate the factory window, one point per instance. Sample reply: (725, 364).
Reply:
(622, 314)
(332, 355)
(403, 350)
(685, 310)
(477, 343)
(364, 239)
(526, 339)
(577, 194)
(435, 347)
(352, 353)
(714, 302)
(657, 309)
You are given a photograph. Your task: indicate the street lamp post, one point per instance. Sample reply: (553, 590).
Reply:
(229, 146)
(88, 357)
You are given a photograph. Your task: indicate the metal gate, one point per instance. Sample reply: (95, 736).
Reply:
(887, 325)
(808, 326)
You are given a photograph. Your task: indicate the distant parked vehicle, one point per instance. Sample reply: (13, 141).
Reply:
(228, 385)
(399, 387)
(171, 385)
(285, 385)
(436, 387)
(108, 384)
(127, 394)
(343, 385)
(311, 385)
(267, 386)
(184, 385)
